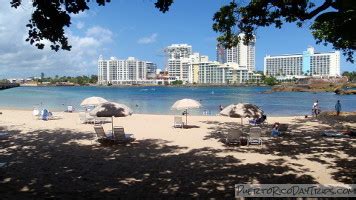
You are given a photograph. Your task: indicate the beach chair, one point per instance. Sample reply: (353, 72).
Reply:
(233, 137)
(36, 112)
(255, 136)
(120, 136)
(178, 122)
(101, 135)
(70, 109)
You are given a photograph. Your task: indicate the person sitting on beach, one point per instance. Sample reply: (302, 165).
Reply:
(275, 130)
(259, 120)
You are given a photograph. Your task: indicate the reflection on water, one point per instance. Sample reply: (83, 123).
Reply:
(158, 100)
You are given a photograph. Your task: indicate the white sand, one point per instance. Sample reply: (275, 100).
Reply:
(145, 126)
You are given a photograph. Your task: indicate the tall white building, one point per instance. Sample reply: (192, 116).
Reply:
(114, 71)
(227, 73)
(179, 61)
(243, 55)
(177, 51)
(308, 63)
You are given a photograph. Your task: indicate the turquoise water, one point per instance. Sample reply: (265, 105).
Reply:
(158, 100)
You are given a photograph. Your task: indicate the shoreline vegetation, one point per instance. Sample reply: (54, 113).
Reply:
(338, 88)
(344, 85)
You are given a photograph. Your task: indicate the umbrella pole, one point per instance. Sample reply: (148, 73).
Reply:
(186, 117)
(241, 121)
(112, 126)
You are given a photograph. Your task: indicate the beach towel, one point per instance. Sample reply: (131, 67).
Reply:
(332, 134)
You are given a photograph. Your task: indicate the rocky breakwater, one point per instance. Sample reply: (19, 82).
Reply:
(4, 86)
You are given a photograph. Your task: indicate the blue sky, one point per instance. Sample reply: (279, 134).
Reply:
(135, 28)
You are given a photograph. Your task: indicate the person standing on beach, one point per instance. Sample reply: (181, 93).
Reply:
(316, 110)
(338, 107)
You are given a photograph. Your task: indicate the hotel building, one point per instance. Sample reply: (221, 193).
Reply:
(129, 71)
(309, 63)
(243, 55)
(177, 51)
(228, 73)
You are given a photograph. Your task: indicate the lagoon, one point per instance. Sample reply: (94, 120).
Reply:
(158, 100)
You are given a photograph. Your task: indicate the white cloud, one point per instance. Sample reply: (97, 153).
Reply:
(148, 40)
(80, 25)
(19, 59)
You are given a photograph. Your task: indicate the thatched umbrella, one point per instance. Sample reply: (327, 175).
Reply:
(242, 110)
(93, 101)
(185, 104)
(111, 109)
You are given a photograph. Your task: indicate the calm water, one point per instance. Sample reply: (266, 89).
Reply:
(158, 100)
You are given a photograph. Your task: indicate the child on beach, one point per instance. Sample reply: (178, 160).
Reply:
(275, 130)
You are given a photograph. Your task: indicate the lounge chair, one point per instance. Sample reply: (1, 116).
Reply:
(178, 122)
(101, 135)
(120, 135)
(35, 112)
(233, 137)
(255, 136)
(70, 109)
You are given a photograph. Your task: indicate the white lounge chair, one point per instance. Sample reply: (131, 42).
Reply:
(233, 137)
(70, 109)
(255, 136)
(102, 136)
(35, 112)
(178, 122)
(120, 135)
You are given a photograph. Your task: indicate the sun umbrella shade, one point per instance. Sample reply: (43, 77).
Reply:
(93, 101)
(184, 104)
(110, 109)
(242, 110)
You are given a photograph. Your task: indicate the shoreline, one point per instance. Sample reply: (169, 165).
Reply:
(9, 109)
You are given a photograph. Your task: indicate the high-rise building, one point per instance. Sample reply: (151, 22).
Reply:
(127, 71)
(308, 63)
(177, 51)
(243, 55)
(151, 67)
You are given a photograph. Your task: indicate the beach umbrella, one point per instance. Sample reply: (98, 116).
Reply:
(242, 110)
(185, 104)
(93, 101)
(111, 109)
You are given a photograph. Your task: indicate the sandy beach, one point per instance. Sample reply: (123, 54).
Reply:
(60, 158)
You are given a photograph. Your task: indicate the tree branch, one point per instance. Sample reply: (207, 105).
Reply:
(315, 12)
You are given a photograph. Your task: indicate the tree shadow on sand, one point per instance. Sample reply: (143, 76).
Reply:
(301, 141)
(52, 164)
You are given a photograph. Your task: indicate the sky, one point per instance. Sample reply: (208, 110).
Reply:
(134, 28)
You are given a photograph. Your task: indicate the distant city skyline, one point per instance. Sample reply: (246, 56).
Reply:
(134, 28)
